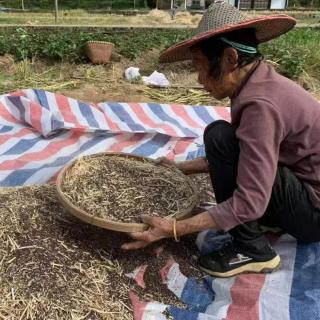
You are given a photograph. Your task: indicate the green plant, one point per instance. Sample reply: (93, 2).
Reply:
(297, 51)
(69, 44)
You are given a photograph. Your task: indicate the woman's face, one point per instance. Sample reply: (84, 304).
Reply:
(218, 88)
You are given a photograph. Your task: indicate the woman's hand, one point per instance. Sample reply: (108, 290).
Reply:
(160, 228)
(165, 161)
(199, 165)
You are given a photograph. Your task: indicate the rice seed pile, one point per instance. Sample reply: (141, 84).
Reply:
(121, 188)
(53, 266)
(184, 96)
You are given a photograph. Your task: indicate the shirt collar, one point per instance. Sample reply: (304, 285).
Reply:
(246, 78)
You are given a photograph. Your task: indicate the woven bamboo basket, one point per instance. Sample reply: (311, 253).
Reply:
(99, 52)
(108, 224)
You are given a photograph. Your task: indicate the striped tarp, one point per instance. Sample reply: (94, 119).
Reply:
(40, 132)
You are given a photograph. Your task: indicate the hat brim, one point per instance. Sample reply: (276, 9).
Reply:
(267, 28)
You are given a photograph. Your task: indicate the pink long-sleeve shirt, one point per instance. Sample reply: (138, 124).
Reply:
(277, 122)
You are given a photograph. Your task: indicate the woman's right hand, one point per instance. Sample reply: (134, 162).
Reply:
(165, 161)
(198, 165)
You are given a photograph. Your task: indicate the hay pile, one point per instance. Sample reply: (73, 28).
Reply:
(164, 17)
(53, 266)
(121, 188)
(187, 96)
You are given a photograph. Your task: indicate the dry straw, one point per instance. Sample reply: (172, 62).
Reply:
(183, 95)
(52, 266)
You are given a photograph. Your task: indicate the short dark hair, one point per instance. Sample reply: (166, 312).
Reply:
(213, 49)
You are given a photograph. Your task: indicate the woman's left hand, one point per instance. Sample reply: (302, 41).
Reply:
(160, 228)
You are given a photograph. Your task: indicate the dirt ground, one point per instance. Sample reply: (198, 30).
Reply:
(100, 83)
(110, 85)
(107, 83)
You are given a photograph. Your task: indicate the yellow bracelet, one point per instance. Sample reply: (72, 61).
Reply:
(175, 230)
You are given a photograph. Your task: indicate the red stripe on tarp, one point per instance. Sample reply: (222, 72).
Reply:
(50, 150)
(179, 109)
(23, 132)
(119, 146)
(35, 111)
(180, 147)
(65, 109)
(245, 294)
(6, 115)
(146, 119)
(223, 113)
(112, 125)
(138, 306)
(165, 270)
(140, 276)
(19, 93)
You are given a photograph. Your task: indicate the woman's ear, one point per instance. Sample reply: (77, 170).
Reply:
(230, 58)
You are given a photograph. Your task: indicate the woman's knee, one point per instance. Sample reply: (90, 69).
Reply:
(218, 132)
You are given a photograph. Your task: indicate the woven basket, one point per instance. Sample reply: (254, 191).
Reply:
(108, 224)
(99, 52)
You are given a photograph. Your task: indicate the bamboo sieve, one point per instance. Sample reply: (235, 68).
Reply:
(113, 225)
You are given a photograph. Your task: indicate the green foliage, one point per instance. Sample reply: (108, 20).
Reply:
(295, 52)
(69, 44)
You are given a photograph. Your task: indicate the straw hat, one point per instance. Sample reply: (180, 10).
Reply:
(222, 17)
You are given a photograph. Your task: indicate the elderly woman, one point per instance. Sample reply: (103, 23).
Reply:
(265, 164)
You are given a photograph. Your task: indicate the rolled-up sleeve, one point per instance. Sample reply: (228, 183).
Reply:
(260, 133)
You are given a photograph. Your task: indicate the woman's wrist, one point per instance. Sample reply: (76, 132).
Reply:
(199, 165)
(197, 223)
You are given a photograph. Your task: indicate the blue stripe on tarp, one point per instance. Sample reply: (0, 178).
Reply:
(41, 95)
(124, 116)
(22, 146)
(151, 146)
(204, 115)
(161, 114)
(192, 155)
(197, 295)
(198, 153)
(305, 291)
(56, 125)
(201, 151)
(5, 129)
(86, 111)
(19, 177)
(16, 101)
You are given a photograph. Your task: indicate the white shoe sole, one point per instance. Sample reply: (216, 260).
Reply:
(254, 267)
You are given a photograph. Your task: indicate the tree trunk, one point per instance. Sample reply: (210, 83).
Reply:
(56, 10)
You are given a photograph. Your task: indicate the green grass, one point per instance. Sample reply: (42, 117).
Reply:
(69, 44)
(296, 52)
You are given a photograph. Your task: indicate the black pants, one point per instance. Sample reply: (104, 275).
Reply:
(289, 208)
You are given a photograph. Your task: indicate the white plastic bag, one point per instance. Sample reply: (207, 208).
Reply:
(156, 79)
(132, 73)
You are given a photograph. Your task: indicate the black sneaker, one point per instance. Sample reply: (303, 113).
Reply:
(230, 261)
